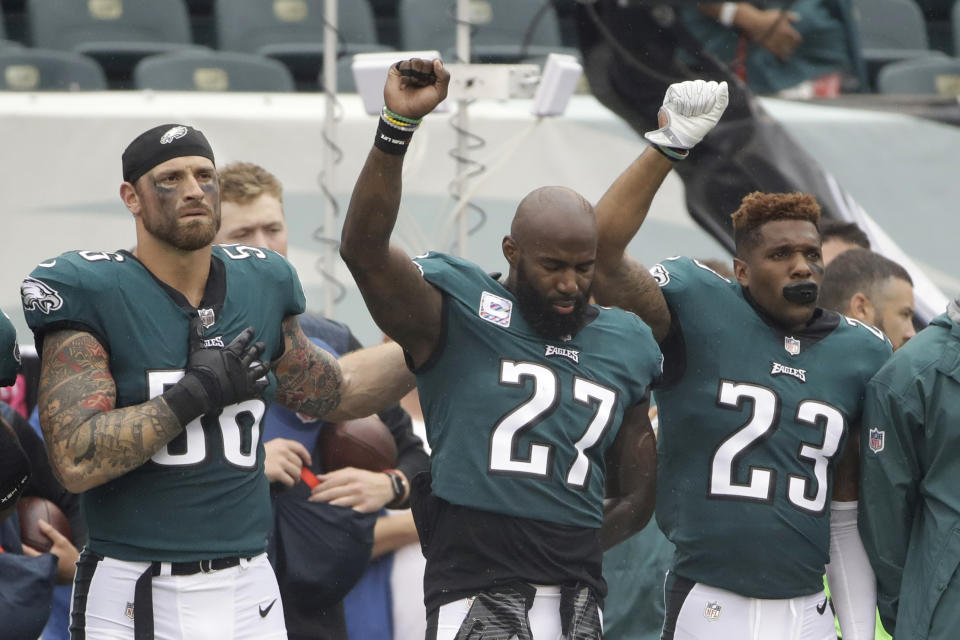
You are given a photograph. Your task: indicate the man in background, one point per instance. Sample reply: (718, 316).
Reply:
(27, 576)
(910, 473)
(873, 289)
(838, 236)
(337, 545)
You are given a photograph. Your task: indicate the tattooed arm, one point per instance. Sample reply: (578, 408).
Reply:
(89, 441)
(361, 383)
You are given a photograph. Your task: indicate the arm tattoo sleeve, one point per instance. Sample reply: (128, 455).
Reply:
(308, 378)
(89, 441)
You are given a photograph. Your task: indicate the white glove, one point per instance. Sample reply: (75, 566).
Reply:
(692, 109)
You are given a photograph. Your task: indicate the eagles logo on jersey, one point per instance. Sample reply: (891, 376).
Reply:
(37, 295)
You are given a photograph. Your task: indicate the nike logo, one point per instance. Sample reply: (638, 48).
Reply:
(820, 607)
(264, 612)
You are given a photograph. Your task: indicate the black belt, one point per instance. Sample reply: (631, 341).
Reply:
(198, 566)
(143, 591)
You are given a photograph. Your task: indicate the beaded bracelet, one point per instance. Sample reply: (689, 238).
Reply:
(394, 132)
(402, 119)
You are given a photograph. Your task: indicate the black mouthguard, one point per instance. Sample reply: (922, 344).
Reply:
(801, 292)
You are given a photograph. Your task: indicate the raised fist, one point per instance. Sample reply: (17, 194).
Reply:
(415, 87)
(690, 110)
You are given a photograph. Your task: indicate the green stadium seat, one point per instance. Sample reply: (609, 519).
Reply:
(923, 76)
(23, 69)
(503, 31)
(117, 33)
(292, 31)
(211, 71)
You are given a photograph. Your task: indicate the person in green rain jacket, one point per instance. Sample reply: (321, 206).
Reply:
(910, 483)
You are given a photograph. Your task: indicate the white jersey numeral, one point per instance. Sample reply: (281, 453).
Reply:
(504, 441)
(763, 422)
(239, 429)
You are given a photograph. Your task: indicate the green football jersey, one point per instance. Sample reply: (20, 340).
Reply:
(519, 423)
(9, 352)
(205, 494)
(752, 422)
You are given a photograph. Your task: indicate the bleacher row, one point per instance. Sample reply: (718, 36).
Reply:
(244, 45)
(277, 45)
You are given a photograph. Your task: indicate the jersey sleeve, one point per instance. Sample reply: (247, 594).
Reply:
(649, 355)
(889, 486)
(9, 352)
(294, 302)
(57, 295)
(681, 276)
(453, 276)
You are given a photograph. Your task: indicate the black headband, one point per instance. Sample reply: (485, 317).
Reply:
(160, 144)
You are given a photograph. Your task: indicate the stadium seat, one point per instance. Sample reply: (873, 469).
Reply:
(26, 69)
(891, 30)
(118, 33)
(504, 31)
(292, 31)
(211, 71)
(930, 76)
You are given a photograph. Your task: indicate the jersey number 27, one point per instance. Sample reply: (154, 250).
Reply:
(504, 457)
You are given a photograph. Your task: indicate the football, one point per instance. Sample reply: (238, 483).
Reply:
(33, 508)
(364, 443)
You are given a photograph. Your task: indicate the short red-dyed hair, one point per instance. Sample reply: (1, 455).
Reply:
(758, 208)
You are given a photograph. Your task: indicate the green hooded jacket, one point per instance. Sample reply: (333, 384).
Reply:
(910, 483)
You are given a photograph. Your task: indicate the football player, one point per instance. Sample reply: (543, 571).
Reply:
(760, 402)
(533, 398)
(157, 367)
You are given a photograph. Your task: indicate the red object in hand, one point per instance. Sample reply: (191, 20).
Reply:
(308, 477)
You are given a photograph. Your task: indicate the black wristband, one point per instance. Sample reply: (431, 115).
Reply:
(187, 399)
(392, 140)
(399, 488)
(672, 154)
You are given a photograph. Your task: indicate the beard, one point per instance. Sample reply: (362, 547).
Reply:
(537, 310)
(187, 235)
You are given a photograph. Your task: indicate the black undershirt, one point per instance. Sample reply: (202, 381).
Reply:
(469, 550)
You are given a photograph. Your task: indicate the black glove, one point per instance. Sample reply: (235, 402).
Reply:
(217, 377)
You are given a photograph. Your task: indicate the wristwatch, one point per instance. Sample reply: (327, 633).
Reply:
(398, 485)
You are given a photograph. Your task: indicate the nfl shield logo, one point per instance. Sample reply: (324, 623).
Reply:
(712, 611)
(129, 610)
(207, 317)
(792, 345)
(876, 440)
